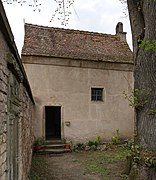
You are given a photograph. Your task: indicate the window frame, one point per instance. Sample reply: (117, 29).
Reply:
(97, 94)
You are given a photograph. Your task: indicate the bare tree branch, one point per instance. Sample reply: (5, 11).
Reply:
(61, 13)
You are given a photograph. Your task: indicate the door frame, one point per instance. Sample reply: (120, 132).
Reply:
(45, 120)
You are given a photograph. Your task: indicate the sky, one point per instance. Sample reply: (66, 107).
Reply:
(88, 15)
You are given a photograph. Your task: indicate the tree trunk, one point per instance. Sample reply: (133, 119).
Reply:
(143, 24)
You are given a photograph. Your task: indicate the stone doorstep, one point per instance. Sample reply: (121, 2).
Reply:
(50, 142)
(54, 151)
(54, 147)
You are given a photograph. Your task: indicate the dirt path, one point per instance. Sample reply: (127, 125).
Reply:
(85, 165)
(59, 167)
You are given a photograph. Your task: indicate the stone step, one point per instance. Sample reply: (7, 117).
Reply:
(54, 151)
(54, 146)
(55, 141)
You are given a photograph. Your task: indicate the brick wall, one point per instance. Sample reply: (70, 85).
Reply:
(16, 109)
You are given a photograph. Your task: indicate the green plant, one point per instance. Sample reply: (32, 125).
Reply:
(150, 161)
(80, 145)
(137, 98)
(96, 142)
(129, 143)
(76, 148)
(135, 152)
(152, 111)
(91, 143)
(97, 139)
(148, 45)
(116, 137)
(143, 156)
(39, 141)
(38, 144)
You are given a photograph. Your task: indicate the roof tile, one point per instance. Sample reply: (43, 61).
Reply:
(75, 44)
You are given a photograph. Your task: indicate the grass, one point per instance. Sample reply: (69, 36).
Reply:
(107, 164)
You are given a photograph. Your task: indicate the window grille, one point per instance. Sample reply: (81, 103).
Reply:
(97, 94)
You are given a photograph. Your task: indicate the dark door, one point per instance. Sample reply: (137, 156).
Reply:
(53, 122)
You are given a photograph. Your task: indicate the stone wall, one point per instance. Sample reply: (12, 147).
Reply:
(16, 106)
(3, 120)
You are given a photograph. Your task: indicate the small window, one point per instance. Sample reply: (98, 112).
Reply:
(97, 94)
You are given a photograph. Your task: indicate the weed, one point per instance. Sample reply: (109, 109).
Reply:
(97, 139)
(91, 143)
(143, 156)
(96, 142)
(116, 137)
(136, 98)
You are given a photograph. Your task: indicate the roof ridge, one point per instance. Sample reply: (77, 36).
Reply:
(73, 30)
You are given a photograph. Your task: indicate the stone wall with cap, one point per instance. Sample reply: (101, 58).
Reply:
(16, 106)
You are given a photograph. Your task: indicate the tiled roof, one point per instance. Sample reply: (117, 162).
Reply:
(74, 44)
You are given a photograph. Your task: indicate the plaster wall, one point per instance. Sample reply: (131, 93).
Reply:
(70, 88)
